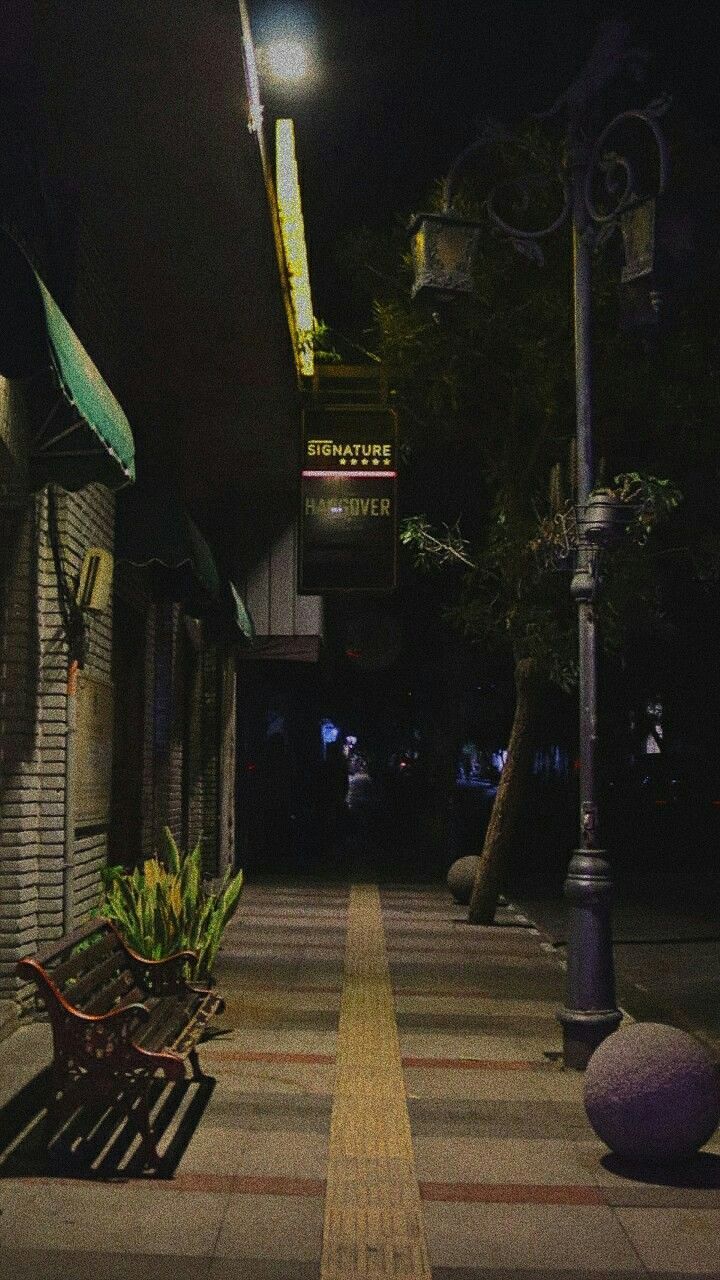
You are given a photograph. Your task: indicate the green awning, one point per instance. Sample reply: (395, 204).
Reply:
(243, 621)
(153, 528)
(85, 389)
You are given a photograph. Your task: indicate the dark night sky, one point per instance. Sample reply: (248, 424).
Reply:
(401, 82)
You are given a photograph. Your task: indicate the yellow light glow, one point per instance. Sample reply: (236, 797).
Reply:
(287, 60)
(293, 237)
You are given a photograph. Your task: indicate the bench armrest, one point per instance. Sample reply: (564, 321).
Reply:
(104, 1045)
(158, 977)
(31, 968)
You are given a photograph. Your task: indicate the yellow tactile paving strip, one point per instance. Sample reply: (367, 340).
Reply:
(373, 1217)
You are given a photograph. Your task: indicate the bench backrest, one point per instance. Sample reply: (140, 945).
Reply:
(89, 968)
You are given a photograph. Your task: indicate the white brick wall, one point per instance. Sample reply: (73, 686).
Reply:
(33, 674)
(19, 756)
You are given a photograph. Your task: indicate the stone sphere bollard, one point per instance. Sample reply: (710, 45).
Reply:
(461, 877)
(652, 1093)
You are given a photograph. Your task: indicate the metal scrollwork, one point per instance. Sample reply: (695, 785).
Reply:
(526, 186)
(490, 131)
(618, 171)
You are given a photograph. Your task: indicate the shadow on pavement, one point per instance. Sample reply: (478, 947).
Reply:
(98, 1142)
(700, 1171)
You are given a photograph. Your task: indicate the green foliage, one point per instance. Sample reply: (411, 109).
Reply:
(650, 499)
(165, 907)
(512, 594)
(84, 945)
(434, 550)
(485, 393)
(323, 347)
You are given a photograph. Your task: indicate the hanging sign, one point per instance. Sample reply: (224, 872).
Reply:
(348, 500)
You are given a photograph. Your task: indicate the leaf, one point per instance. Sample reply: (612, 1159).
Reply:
(160, 910)
(172, 853)
(109, 874)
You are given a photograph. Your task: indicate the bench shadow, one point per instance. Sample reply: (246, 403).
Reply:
(701, 1171)
(99, 1142)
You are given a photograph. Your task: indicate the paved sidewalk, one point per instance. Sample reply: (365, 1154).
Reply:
(387, 1101)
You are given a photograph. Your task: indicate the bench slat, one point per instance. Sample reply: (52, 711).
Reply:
(190, 1034)
(81, 989)
(171, 1028)
(61, 946)
(84, 961)
(152, 1035)
(176, 1029)
(114, 992)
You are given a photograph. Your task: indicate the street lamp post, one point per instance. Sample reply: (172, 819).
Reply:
(590, 1013)
(443, 248)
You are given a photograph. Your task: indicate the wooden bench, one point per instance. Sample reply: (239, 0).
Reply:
(117, 1018)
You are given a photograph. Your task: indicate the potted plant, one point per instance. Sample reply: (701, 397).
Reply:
(164, 906)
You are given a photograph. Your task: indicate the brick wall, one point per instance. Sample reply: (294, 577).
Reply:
(172, 815)
(85, 519)
(181, 737)
(193, 758)
(33, 675)
(210, 778)
(19, 778)
(148, 781)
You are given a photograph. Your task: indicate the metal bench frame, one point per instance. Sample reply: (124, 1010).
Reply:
(139, 1017)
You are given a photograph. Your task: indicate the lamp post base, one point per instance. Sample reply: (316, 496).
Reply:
(583, 1031)
(590, 1013)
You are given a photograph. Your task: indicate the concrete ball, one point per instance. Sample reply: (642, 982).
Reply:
(652, 1093)
(461, 877)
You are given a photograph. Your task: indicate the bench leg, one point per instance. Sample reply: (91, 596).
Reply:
(198, 1073)
(140, 1116)
(55, 1106)
(51, 1119)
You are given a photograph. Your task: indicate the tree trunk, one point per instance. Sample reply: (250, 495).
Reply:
(502, 830)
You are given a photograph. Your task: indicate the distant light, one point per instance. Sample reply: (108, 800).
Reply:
(329, 731)
(287, 60)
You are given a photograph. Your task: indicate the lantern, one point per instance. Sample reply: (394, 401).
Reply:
(637, 227)
(443, 249)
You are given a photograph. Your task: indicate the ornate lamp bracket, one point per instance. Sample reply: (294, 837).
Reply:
(526, 241)
(620, 174)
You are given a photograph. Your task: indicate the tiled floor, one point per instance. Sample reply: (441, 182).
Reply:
(386, 1087)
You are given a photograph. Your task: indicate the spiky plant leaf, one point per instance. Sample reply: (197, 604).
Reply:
(171, 851)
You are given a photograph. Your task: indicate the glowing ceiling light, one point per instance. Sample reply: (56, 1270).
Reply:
(293, 238)
(287, 60)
